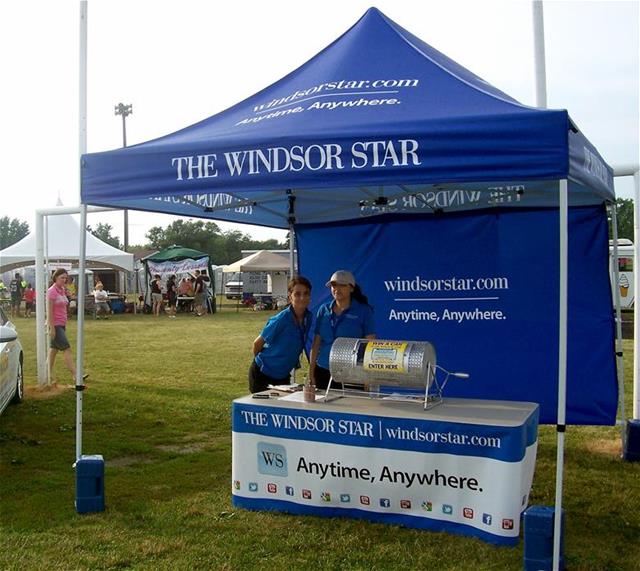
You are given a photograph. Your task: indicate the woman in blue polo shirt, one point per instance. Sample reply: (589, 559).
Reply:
(348, 315)
(277, 349)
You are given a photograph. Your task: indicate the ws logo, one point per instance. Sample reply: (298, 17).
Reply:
(272, 459)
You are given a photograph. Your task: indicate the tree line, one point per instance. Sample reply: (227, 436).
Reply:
(224, 247)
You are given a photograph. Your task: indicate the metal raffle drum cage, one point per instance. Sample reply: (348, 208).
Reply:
(403, 364)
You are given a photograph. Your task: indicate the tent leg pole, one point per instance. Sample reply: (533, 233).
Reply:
(41, 347)
(80, 303)
(82, 148)
(636, 294)
(562, 367)
(619, 353)
(292, 245)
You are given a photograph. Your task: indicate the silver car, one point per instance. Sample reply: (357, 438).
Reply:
(11, 358)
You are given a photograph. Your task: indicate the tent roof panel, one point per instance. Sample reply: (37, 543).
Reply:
(376, 107)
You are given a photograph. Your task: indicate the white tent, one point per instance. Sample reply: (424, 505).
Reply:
(62, 245)
(262, 261)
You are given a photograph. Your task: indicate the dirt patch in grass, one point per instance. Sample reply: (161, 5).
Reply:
(126, 461)
(190, 446)
(183, 448)
(605, 447)
(46, 392)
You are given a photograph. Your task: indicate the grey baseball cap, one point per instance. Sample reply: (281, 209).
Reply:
(342, 277)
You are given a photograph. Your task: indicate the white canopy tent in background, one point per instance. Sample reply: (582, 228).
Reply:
(267, 262)
(62, 245)
(59, 242)
(262, 261)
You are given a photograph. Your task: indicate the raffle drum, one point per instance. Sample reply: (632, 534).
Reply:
(397, 363)
(375, 362)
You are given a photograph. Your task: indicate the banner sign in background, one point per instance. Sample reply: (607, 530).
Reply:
(472, 479)
(483, 289)
(179, 267)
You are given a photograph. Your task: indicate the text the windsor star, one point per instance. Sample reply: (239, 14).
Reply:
(326, 156)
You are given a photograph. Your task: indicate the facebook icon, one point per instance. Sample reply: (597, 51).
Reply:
(486, 519)
(385, 503)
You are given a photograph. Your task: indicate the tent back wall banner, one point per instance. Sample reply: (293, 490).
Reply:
(483, 289)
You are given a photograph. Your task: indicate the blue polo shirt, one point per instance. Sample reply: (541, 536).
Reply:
(356, 321)
(284, 341)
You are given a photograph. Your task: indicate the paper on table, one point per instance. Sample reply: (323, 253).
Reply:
(285, 388)
(299, 397)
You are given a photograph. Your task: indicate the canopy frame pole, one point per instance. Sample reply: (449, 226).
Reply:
(291, 219)
(82, 148)
(539, 54)
(562, 367)
(41, 347)
(636, 293)
(619, 352)
(291, 198)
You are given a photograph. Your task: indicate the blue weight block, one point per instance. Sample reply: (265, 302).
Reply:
(90, 484)
(631, 451)
(538, 538)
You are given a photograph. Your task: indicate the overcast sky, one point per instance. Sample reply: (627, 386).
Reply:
(178, 62)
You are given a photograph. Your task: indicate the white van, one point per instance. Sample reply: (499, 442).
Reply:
(625, 272)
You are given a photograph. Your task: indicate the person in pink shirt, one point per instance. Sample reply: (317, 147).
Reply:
(57, 304)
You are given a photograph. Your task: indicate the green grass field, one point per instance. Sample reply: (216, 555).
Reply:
(158, 409)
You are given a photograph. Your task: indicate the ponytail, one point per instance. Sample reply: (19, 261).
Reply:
(359, 296)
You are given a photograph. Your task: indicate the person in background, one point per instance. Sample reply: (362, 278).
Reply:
(183, 291)
(277, 349)
(198, 295)
(101, 299)
(29, 299)
(348, 315)
(15, 287)
(172, 296)
(57, 303)
(156, 294)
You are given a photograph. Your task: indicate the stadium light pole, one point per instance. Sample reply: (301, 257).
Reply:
(125, 111)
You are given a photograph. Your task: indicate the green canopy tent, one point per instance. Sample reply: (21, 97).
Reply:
(175, 260)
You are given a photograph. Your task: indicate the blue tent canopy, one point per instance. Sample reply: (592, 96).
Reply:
(378, 122)
(367, 144)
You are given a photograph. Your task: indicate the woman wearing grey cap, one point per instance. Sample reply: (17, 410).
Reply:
(348, 315)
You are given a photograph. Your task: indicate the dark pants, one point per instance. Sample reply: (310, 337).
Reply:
(322, 377)
(258, 381)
